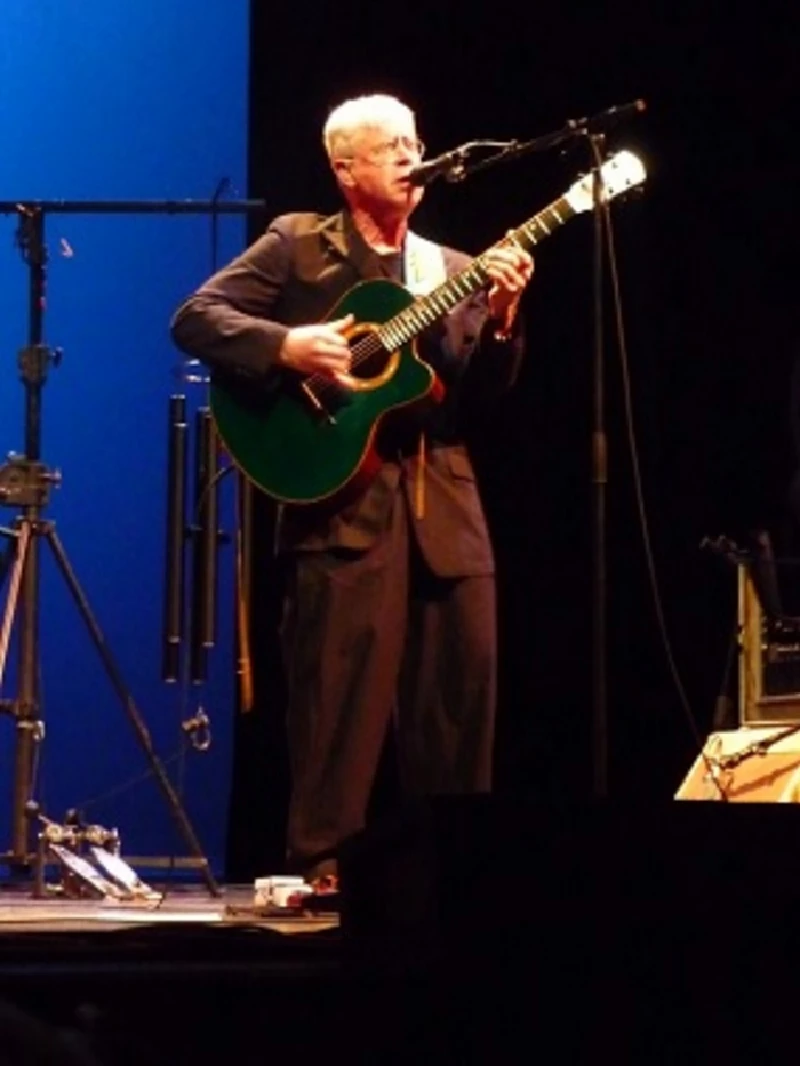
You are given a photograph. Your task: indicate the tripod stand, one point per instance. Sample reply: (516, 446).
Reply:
(25, 483)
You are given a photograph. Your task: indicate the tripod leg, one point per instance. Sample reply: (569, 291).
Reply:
(130, 708)
(6, 557)
(15, 580)
(24, 577)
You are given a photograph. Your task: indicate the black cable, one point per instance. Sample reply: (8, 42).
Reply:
(125, 786)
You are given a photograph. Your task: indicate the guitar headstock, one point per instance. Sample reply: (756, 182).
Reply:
(620, 172)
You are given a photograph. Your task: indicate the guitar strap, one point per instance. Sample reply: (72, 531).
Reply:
(424, 268)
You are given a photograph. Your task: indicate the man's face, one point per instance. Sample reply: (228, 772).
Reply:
(376, 177)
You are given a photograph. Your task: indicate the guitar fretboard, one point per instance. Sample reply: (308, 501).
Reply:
(428, 309)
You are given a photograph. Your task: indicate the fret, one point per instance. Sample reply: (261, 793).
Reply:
(438, 302)
(530, 234)
(389, 336)
(457, 287)
(401, 328)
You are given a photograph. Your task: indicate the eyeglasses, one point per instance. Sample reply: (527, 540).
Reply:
(379, 153)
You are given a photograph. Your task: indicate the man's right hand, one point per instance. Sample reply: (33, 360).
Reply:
(318, 349)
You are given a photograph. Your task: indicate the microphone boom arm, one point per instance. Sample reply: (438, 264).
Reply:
(581, 127)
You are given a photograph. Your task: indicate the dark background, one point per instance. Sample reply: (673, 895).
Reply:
(705, 258)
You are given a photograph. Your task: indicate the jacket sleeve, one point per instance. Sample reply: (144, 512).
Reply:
(226, 323)
(495, 362)
(472, 355)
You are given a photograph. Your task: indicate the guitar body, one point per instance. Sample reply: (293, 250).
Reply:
(307, 447)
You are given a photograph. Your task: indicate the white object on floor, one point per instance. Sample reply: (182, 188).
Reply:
(281, 891)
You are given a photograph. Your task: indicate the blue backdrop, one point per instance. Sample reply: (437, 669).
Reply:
(117, 101)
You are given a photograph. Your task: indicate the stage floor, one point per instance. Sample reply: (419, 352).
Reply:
(189, 934)
(182, 905)
(195, 978)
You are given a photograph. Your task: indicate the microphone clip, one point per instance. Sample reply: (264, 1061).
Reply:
(449, 165)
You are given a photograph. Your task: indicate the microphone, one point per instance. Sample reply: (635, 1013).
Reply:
(603, 120)
(450, 165)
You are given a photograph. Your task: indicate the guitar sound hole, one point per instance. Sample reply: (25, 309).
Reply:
(370, 358)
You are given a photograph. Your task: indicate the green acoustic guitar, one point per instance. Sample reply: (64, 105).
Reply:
(314, 440)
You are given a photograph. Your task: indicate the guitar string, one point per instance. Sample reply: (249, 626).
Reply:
(414, 316)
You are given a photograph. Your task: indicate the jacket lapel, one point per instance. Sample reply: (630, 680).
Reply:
(344, 239)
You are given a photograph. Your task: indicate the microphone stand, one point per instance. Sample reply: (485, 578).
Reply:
(599, 486)
(593, 130)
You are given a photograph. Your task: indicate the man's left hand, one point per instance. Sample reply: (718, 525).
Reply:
(510, 268)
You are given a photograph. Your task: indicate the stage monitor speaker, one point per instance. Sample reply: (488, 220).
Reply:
(747, 765)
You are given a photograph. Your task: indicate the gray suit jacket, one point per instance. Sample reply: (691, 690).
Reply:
(294, 274)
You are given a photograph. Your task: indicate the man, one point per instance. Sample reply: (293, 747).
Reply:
(390, 604)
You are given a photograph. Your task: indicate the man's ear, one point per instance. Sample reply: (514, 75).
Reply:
(341, 168)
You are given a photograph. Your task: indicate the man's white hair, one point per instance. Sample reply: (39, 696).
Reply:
(348, 120)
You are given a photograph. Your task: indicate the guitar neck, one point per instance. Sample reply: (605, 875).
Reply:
(426, 310)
